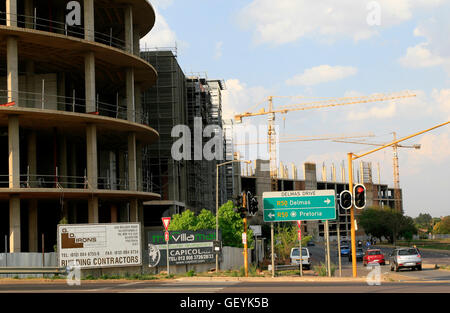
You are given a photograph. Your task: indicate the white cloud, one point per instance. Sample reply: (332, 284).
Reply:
(161, 36)
(321, 74)
(284, 21)
(420, 56)
(442, 97)
(435, 50)
(239, 98)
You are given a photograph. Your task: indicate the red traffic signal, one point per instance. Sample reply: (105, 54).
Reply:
(359, 192)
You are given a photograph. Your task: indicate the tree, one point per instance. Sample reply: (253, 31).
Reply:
(287, 238)
(442, 227)
(230, 224)
(424, 221)
(387, 223)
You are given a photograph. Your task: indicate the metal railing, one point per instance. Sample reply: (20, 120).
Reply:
(43, 100)
(77, 182)
(53, 26)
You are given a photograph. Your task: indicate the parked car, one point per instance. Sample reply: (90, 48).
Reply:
(405, 258)
(310, 243)
(359, 254)
(306, 257)
(373, 256)
(345, 250)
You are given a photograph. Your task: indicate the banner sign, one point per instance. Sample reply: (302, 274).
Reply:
(99, 245)
(185, 247)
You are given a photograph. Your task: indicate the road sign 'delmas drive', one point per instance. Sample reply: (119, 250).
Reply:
(299, 205)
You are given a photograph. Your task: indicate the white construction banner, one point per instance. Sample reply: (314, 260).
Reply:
(99, 245)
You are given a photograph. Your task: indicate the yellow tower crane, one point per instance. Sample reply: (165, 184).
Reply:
(323, 103)
(396, 172)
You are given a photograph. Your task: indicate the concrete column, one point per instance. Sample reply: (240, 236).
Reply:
(138, 103)
(93, 210)
(14, 224)
(91, 155)
(11, 13)
(32, 226)
(89, 20)
(89, 81)
(136, 38)
(132, 173)
(12, 69)
(29, 13)
(14, 151)
(134, 210)
(31, 155)
(131, 109)
(129, 33)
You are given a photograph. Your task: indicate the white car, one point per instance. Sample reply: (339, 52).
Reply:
(306, 257)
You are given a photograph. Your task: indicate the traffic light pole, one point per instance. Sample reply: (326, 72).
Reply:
(352, 214)
(352, 157)
(245, 203)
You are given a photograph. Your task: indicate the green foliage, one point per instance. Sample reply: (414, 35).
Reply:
(286, 238)
(387, 223)
(424, 220)
(184, 221)
(190, 273)
(442, 227)
(230, 224)
(321, 269)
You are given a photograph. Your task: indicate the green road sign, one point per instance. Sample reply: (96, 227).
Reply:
(299, 205)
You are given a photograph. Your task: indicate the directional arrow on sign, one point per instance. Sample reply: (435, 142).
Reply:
(271, 215)
(327, 201)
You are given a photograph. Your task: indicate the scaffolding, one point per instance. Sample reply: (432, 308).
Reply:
(165, 103)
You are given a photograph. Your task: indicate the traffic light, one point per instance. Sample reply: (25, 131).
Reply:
(237, 202)
(359, 192)
(253, 206)
(345, 199)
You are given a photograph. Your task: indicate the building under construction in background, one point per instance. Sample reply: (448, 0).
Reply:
(257, 180)
(196, 102)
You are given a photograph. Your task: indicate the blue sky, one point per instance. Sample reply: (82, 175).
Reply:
(330, 49)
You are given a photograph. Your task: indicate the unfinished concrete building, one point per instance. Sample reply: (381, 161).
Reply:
(72, 126)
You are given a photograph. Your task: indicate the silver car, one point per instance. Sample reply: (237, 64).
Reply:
(405, 258)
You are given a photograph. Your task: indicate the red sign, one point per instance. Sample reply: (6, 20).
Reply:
(166, 222)
(166, 236)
